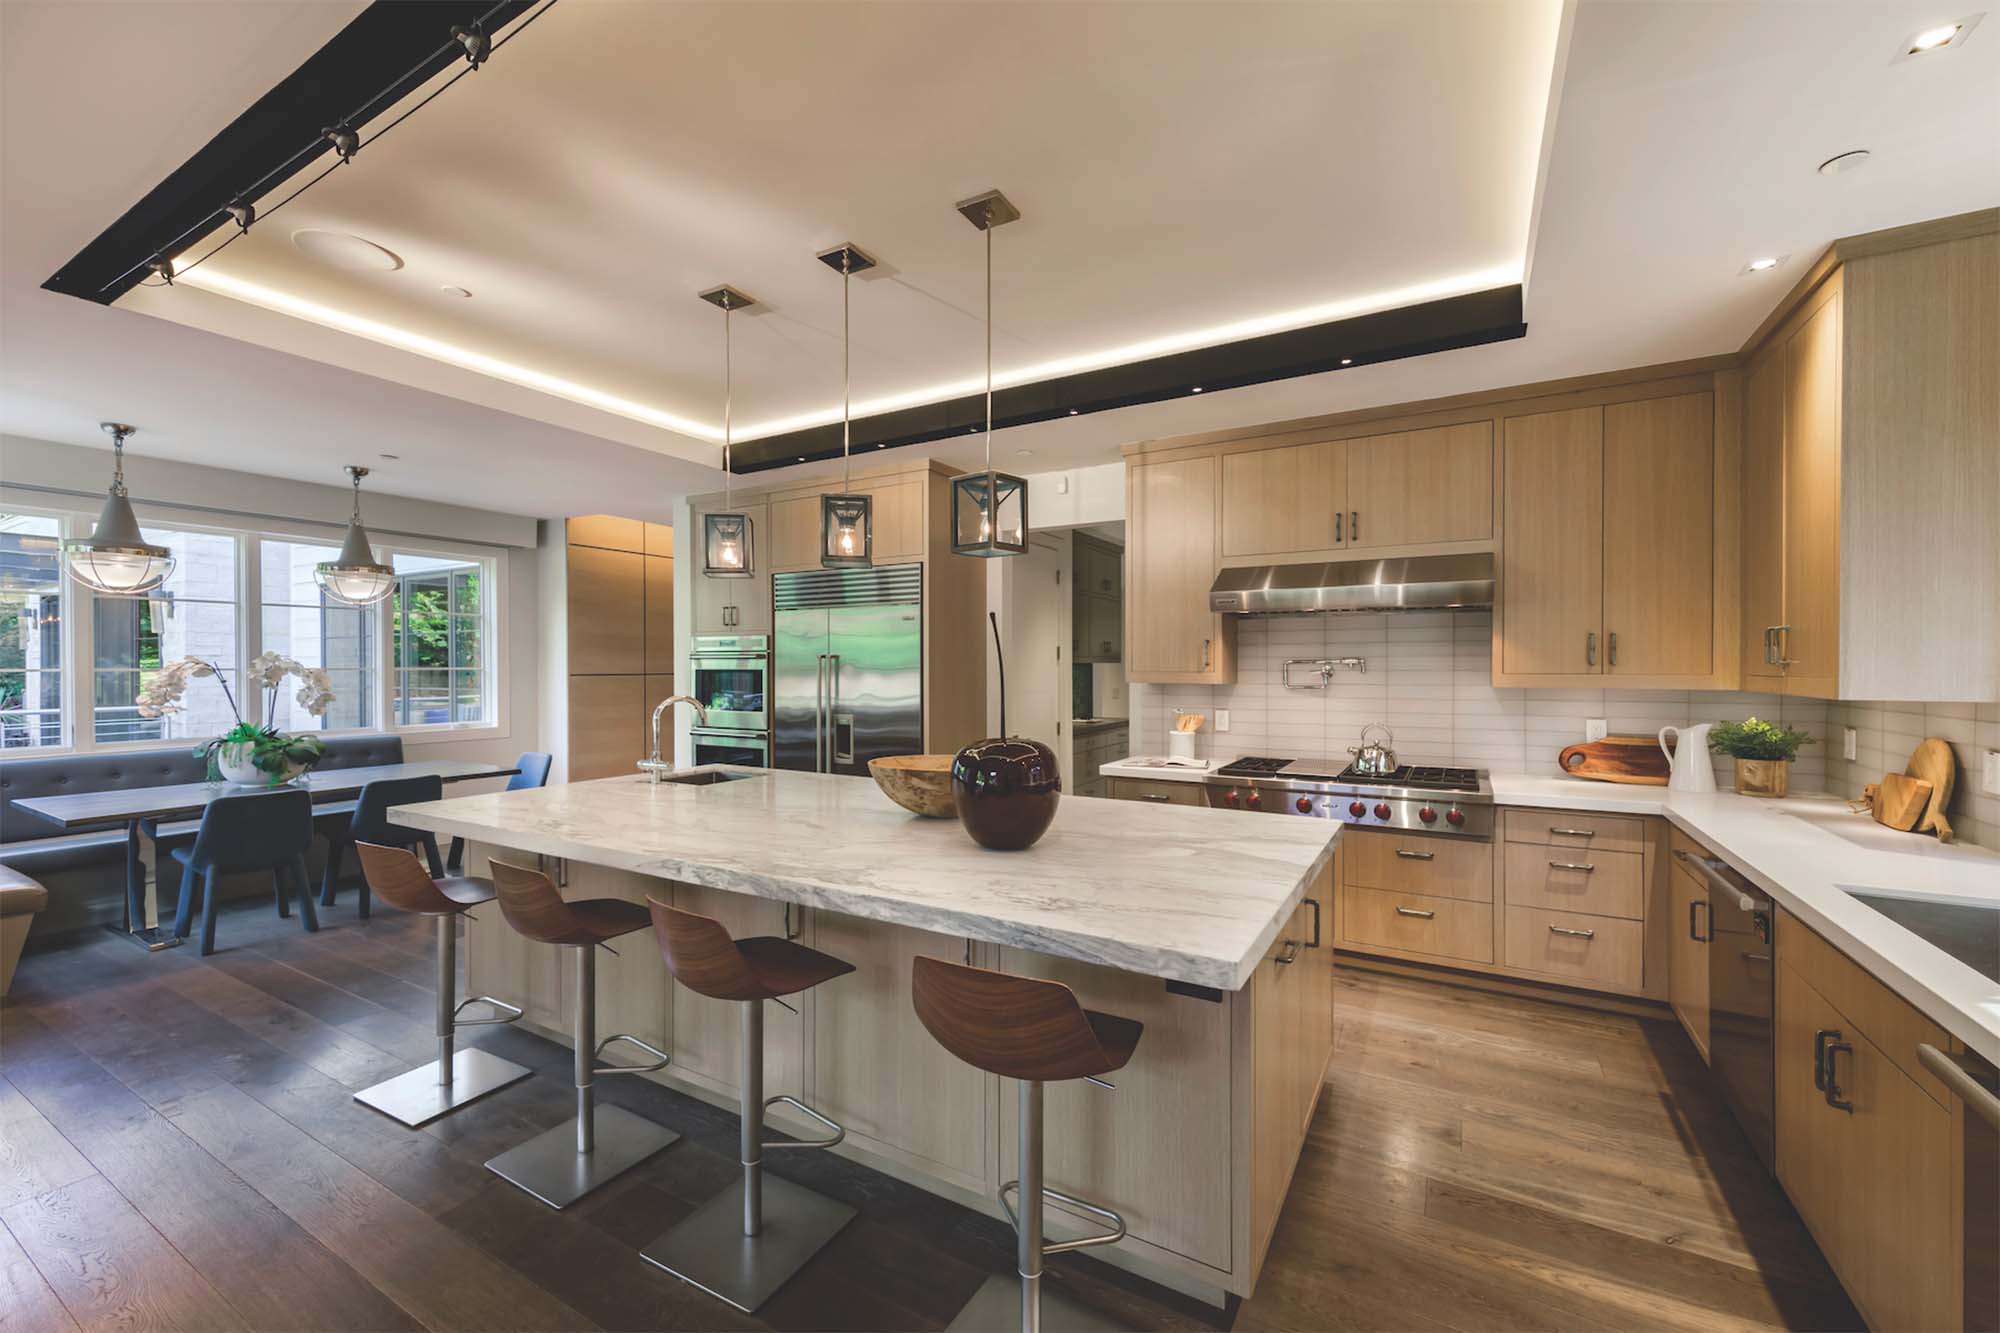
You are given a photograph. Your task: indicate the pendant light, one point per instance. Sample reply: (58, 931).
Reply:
(989, 510)
(846, 521)
(727, 543)
(355, 577)
(116, 560)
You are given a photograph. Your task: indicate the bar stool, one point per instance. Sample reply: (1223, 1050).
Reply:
(561, 1165)
(1034, 1031)
(456, 1077)
(744, 1243)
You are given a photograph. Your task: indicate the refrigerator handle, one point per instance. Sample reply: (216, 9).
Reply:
(835, 719)
(819, 717)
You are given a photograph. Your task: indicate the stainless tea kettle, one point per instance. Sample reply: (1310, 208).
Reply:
(1374, 759)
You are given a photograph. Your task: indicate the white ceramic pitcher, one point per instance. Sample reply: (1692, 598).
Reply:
(1691, 769)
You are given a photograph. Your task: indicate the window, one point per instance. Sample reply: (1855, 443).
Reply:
(439, 615)
(299, 621)
(192, 615)
(31, 643)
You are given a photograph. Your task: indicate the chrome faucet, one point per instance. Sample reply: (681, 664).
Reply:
(653, 764)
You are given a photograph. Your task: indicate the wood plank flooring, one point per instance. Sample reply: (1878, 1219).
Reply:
(179, 1149)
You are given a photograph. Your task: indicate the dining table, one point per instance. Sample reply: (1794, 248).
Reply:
(142, 809)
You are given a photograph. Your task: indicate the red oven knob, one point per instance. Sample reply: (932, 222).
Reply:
(1229, 797)
(1255, 800)
(1357, 809)
(1428, 815)
(1382, 810)
(1454, 816)
(1304, 804)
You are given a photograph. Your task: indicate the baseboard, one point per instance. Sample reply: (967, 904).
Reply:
(1629, 1006)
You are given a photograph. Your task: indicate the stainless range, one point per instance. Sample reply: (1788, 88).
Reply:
(1453, 801)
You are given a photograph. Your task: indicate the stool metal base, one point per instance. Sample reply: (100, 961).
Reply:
(549, 1167)
(996, 1308)
(417, 1098)
(709, 1250)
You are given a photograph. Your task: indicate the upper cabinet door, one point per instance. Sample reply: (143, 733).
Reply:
(897, 513)
(1812, 505)
(1552, 567)
(1763, 518)
(1171, 635)
(1659, 537)
(1421, 486)
(1281, 501)
(659, 615)
(732, 606)
(607, 612)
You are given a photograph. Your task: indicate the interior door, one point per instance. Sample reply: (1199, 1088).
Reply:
(874, 684)
(1659, 537)
(797, 688)
(1552, 561)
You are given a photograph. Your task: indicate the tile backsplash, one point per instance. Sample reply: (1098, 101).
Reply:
(1430, 679)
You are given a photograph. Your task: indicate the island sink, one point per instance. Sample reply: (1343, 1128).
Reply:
(704, 777)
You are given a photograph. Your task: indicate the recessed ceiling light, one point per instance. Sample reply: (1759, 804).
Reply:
(1934, 38)
(1761, 264)
(451, 290)
(1939, 37)
(1072, 411)
(391, 457)
(346, 252)
(1195, 389)
(1847, 161)
(1347, 361)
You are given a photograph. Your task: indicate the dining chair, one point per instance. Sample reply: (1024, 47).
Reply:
(370, 823)
(256, 831)
(534, 766)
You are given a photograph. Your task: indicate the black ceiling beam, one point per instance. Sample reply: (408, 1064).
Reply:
(1387, 335)
(388, 43)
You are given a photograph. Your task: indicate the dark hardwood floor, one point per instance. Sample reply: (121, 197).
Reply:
(179, 1149)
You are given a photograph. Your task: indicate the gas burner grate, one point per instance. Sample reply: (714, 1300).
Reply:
(1252, 766)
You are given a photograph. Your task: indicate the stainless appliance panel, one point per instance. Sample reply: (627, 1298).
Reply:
(730, 675)
(1742, 972)
(798, 689)
(875, 685)
(747, 748)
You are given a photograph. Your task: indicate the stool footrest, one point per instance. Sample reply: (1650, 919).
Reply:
(839, 1130)
(509, 1013)
(660, 1063)
(1070, 1203)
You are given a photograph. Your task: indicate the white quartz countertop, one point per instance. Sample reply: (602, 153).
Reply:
(1191, 895)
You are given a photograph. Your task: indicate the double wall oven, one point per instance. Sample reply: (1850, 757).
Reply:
(730, 674)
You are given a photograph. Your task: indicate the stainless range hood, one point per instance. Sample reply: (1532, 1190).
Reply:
(1417, 583)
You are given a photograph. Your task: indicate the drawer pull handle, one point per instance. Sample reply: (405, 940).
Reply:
(1153, 796)
(1289, 956)
(1584, 866)
(1573, 832)
(1820, 1039)
(1833, 1097)
(1574, 934)
(1411, 911)
(1415, 856)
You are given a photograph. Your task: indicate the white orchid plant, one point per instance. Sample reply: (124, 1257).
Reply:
(273, 752)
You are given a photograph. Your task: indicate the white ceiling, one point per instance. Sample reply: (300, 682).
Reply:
(1179, 166)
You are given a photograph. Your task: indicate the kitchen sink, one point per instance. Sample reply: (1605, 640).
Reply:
(707, 777)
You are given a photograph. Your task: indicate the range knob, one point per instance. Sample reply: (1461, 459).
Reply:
(1428, 815)
(1357, 809)
(1382, 810)
(1304, 804)
(1229, 797)
(1454, 816)
(1255, 800)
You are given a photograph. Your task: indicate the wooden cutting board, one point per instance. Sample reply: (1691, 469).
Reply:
(1899, 800)
(1934, 762)
(1632, 759)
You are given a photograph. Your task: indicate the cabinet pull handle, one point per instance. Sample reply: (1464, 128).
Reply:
(1573, 832)
(1354, 525)
(1339, 526)
(1205, 645)
(1153, 796)
(1289, 956)
(1833, 1097)
(1584, 866)
(1590, 648)
(1611, 648)
(1415, 856)
(1770, 645)
(1697, 938)
(1820, 1039)
(1777, 637)
(1313, 943)
(1976, 1098)
(1411, 911)
(1573, 934)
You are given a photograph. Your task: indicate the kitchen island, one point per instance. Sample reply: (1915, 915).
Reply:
(1210, 927)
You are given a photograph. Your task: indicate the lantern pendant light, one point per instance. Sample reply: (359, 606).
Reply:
(116, 560)
(728, 548)
(355, 577)
(846, 520)
(989, 510)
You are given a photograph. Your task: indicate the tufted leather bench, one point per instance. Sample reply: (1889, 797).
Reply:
(84, 872)
(20, 898)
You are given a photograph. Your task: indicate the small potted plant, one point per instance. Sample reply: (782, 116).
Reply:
(249, 753)
(1763, 752)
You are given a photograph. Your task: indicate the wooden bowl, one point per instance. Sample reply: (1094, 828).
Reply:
(920, 783)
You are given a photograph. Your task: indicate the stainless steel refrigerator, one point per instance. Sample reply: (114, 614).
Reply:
(847, 667)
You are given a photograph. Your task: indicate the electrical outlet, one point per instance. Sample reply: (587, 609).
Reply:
(1222, 719)
(1849, 740)
(1990, 782)
(1595, 728)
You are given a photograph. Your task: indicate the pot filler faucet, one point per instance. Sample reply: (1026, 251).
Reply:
(652, 764)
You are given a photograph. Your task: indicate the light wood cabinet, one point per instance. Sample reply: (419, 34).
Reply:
(606, 531)
(1687, 953)
(606, 729)
(659, 615)
(1097, 605)
(897, 513)
(607, 612)
(1810, 639)
(1420, 487)
(1871, 1158)
(1413, 863)
(1158, 793)
(659, 540)
(657, 689)
(1284, 500)
(1171, 637)
(1552, 565)
(726, 606)
(708, 1033)
(1291, 1038)
(1763, 522)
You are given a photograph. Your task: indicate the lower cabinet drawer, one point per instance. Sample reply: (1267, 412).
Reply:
(1441, 867)
(1418, 923)
(1585, 950)
(1159, 793)
(1562, 879)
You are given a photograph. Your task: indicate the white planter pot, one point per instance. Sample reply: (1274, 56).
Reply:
(235, 761)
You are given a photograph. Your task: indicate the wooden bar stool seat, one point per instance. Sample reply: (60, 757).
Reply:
(1036, 1032)
(563, 1164)
(456, 1077)
(745, 1243)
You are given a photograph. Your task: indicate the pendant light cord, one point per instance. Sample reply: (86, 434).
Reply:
(356, 475)
(989, 352)
(846, 378)
(728, 398)
(118, 462)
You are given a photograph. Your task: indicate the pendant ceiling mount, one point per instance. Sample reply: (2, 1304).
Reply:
(355, 577)
(989, 510)
(116, 560)
(728, 549)
(846, 520)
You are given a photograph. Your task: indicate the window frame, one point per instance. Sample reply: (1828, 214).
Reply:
(66, 603)
(493, 629)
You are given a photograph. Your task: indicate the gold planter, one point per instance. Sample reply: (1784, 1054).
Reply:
(1763, 777)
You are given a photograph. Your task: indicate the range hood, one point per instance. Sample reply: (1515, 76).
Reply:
(1417, 583)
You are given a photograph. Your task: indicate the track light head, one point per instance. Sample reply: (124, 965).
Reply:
(477, 44)
(243, 211)
(346, 143)
(162, 268)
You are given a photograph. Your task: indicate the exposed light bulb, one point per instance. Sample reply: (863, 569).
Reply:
(729, 554)
(847, 542)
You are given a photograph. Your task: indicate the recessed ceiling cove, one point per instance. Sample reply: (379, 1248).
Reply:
(1190, 176)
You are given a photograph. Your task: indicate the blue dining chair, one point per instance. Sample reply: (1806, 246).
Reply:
(534, 766)
(257, 831)
(371, 824)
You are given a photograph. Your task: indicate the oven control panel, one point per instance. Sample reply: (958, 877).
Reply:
(1438, 814)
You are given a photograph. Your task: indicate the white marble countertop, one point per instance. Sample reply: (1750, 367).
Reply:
(1193, 895)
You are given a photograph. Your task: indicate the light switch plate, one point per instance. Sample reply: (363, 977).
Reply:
(1849, 739)
(1595, 728)
(1222, 719)
(1990, 780)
